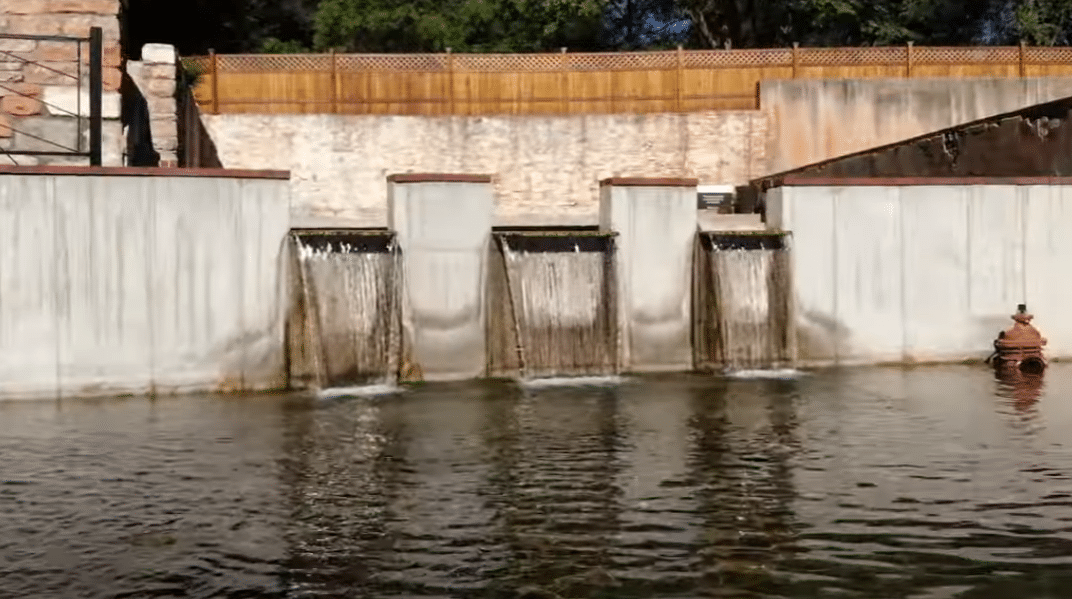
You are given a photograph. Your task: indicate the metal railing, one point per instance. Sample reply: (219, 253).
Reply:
(94, 53)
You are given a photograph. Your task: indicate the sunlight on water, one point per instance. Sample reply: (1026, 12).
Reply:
(359, 391)
(868, 483)
(777, 373)
(576, 381)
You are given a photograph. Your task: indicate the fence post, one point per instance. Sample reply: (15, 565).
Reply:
(96, 87)
(1023, 63)
(680, 76)
(368, 70)
(214, 69)
(563, 87)
(796, 58)
(450, 81)
(334, 84)
(908, 60)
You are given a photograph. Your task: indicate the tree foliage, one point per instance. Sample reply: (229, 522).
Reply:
(195, 26)
(766, 23)
(463, 25)
(546, 25)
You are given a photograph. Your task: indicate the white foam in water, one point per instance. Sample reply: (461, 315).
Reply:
(779, 373)
(572, 381)
(361, 391)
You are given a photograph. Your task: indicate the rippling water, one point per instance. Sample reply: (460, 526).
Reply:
(921, 483)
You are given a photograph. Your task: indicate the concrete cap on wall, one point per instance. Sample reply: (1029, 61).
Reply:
(648, 182)
(805, 181)
(437, 178)
(130, 171)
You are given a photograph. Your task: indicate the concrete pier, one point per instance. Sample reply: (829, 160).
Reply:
(656, 223)
(117, 280)
(936, 271)
(443, 223)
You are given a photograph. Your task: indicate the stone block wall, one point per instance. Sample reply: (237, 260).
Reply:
(40, 96)
(546, 168)
(154, 76)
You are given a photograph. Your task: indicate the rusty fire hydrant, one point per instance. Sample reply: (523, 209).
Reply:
(1020, 346)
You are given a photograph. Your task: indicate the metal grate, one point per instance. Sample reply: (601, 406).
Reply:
(60, 60)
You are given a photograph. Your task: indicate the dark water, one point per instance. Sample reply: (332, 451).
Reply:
(924, 483)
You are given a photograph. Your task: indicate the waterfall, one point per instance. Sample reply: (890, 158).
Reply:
(745, 304)
(553, 306)
(345, 321)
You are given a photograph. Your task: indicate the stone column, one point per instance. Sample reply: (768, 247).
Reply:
(656, 223)
(443, 223)
(154, 75)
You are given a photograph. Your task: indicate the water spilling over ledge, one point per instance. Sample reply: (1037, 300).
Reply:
(552, 304)
(344, 324)
(743, 301)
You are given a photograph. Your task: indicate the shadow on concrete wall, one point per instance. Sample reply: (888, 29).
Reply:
(136, 121)
(196, 148)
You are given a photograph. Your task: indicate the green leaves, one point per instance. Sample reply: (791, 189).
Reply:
(1044, 22)
(463, 25)
(286, 26)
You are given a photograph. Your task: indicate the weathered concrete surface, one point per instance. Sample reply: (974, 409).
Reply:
(922, 273)
(813, 120)
(709, 220)
(443, 229)
(656, 229)
(547, 169)
(1035, 141)
(136, 284)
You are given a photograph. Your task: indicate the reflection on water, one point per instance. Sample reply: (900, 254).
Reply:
(1023, 388)
(927, 482)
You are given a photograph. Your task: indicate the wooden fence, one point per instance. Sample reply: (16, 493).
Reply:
(574, 83)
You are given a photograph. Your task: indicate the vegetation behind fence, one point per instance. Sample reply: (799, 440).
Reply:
(574, 83)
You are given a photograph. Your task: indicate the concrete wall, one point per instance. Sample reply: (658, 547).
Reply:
(656, 228)
(547, 169)
(41, 77)
(813, 120)
(924, 273)
(443, 229)
(112, 284)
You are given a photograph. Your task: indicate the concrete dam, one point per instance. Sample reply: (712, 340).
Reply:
(443, 295)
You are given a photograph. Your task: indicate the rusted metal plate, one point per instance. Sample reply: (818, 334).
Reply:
(129, 171)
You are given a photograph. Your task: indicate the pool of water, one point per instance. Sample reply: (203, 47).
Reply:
(923, 483)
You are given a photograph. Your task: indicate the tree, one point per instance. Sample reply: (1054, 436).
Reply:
(766, 23)
(1037, 22)
(546, 25)
(224, 25)
(463, 25)
(644, 24)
